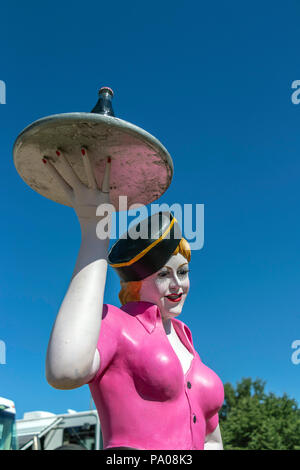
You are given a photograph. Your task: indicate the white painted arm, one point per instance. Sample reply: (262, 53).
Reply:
(72, 357)
(213, 441)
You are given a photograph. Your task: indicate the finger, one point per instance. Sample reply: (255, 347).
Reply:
(67, 169)
(106, 177)
(88, 168)
(66, 188)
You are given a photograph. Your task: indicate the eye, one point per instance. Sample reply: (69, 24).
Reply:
(183, 272)
(162, 274)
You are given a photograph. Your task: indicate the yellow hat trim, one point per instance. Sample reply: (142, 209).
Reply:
(142, 253)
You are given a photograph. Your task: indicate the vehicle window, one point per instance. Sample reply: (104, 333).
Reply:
(7, 431)
(81, 435)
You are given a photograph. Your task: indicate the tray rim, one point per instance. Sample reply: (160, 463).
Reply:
(120, 124)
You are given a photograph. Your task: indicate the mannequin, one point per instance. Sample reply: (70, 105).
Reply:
(74, 356)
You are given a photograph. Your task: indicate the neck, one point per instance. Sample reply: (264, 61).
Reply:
(167, 325)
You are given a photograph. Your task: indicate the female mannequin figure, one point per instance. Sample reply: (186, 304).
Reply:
(150, 387)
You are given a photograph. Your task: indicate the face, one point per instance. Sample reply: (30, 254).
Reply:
(168, 287)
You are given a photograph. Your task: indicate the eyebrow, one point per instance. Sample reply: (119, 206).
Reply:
(183, 264)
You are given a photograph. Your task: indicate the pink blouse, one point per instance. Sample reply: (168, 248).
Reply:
(144, 399)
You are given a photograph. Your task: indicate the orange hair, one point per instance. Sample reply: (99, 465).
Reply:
(130, 290)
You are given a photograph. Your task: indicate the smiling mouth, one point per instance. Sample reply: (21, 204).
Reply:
(174, 297)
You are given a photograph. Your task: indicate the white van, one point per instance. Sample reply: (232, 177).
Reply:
(41, 430)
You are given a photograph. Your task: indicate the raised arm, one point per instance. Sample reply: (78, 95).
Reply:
(72, 358)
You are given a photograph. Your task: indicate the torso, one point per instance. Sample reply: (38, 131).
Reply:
(184, 356)
(141, 378)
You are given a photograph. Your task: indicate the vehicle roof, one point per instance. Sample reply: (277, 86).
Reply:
(36, 425)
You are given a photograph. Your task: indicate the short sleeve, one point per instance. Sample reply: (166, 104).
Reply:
(109, 336)
(211, 424)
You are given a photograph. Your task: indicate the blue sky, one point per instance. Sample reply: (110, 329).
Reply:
(212, 81)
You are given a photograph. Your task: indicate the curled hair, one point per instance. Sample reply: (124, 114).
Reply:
(130, 290)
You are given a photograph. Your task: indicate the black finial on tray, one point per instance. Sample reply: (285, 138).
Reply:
(104, 103)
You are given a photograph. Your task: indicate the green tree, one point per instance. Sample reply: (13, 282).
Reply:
(253, 420)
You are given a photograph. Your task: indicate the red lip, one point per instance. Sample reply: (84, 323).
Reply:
(174, 297)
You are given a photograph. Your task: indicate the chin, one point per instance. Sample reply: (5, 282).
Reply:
(173, 311)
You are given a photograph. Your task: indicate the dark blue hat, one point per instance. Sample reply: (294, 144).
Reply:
(146, 247)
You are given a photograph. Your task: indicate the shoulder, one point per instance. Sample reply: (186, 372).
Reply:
(131, 308)
(123, 313)
(111, 311)
(115, 318)
(111, 320)
(110, 331)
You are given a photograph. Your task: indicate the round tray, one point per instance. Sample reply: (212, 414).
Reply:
(141, 167)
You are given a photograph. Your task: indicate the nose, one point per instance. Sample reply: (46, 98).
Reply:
(175, 283)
